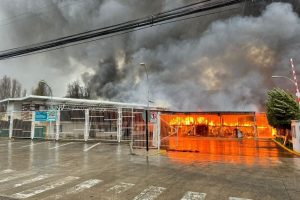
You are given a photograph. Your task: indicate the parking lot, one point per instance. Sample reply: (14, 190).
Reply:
(77, 170)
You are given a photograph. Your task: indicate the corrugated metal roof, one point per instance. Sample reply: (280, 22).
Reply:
(75, 101)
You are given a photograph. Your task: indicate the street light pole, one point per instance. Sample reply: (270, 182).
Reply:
(51, 95)
(284, 77)
(147, 110)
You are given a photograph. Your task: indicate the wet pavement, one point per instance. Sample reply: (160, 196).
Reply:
(213, 170)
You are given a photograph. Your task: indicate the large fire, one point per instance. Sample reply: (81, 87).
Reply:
(216, 124)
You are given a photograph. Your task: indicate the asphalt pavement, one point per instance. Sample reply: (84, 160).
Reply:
(219, 169)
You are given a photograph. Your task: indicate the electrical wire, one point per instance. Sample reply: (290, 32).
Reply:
(123, 33)
(209, 5)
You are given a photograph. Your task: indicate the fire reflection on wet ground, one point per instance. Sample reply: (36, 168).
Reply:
(248, 152)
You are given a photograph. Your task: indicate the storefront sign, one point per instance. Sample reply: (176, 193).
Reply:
(45, 116)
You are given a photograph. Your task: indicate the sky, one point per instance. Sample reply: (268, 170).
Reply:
(221, 61)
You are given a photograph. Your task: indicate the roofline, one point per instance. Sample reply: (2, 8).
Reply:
(73, 100)
(210, 112)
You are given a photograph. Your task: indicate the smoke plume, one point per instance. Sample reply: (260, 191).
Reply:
(221, 61)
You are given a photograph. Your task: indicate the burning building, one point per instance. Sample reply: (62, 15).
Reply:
(215, 124)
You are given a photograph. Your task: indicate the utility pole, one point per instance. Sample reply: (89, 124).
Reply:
(295, 81)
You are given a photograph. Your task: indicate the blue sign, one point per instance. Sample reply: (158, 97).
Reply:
(51, 117)
(45, 116)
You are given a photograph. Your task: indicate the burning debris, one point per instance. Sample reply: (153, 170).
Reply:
(216, 124)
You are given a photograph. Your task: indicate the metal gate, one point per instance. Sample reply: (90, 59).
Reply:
(134, 129)
(4, 124)
(22, 124)
(103, 124)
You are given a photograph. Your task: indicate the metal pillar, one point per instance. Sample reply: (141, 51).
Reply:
(32, 124)
(119, 125)
(158, 130)
(132, 118)
(86, 124)
(147, 131)
(255, 126)
(57, 125)
(11, 124)
(221, 125)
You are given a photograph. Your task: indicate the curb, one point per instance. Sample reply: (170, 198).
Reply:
(284, 147)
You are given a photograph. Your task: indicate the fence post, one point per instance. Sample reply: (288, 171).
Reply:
(11, 124)
(119, 125)
(57, 125)
(158, 130)
(32, 124)
(86, 124)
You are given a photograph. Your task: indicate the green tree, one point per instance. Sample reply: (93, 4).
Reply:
(282, 107)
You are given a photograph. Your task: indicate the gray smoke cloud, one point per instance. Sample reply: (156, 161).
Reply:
(222, 61)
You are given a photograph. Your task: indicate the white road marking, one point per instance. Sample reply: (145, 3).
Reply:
(122, 187)
(61, 145)
(38, 178)
(236, 198)
(150, 193)
(193, 196)
(76, 189)
(12, 142)
(91, 147)
(15, 176)
(43, 188)
(33, 144)
(7, 171)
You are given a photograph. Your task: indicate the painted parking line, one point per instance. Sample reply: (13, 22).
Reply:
(122, 187)
(236, 198)
(150, 193)
(193, 196)
(7, 171)
(16, 142)
(76, 189)
(33, 144)
(15, 176)
(35, 179)
(61, 145)
(85, 150)
(43, 188)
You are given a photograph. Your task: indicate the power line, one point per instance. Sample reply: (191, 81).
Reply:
(123, 33)
(123, 27)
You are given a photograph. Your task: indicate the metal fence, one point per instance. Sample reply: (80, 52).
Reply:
(105, 124)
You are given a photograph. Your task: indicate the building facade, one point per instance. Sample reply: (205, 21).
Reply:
(38, 117)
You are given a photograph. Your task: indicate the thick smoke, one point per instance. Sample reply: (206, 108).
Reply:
(222, 61)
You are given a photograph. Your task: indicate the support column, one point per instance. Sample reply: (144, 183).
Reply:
(11, 124)
(86, 124)
(255, 126)
(221, 133)
(32, 124)
(57, 125)
(158, 130)
(119, 125)
(132, 121)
